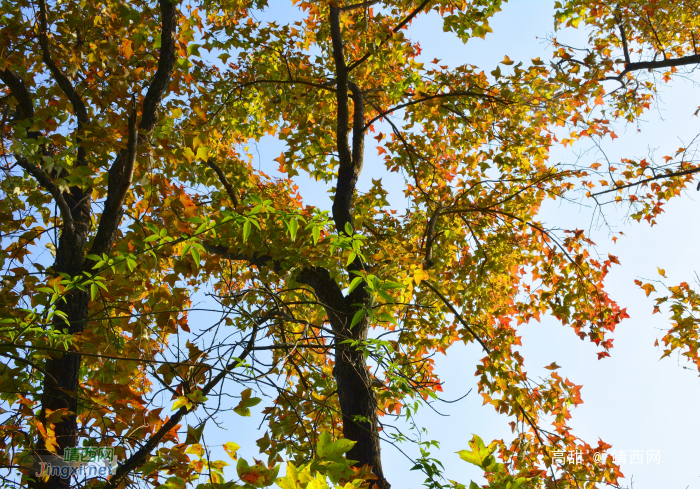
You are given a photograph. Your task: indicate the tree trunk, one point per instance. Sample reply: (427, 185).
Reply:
(357, 399)
(60, 392)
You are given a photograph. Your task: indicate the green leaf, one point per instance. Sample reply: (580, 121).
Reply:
(93, 291)
(182, 401)
(246, 230)
(384, 295)
(316, 232)
(355, 282)
(357, 317)
(257, 475)
(193, 49)
(293, 227)
(195, 255)
(197, 396)
(194, 434)
(479, 454)
(264, 442)
(183, 63)
(246, 402)
(332, 450)
(386, 317)
(351, 258)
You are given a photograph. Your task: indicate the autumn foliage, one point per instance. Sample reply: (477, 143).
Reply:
(129, 190)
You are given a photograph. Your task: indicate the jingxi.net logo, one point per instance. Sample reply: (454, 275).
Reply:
(78, 461)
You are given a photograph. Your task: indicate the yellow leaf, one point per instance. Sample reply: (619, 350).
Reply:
(231, 448)
(202, 153)
(419, 275)
(189, 154)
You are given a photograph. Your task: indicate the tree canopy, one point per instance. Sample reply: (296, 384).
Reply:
(128, 187)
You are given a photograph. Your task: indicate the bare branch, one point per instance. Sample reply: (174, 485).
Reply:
(356, 6)
(467, 93)
(647, 180)
(224, 181)
(457, 315)
(55, 192)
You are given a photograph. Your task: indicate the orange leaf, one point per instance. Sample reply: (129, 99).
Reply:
(127, 50)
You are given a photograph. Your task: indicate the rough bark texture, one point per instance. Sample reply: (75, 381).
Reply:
(356, 397)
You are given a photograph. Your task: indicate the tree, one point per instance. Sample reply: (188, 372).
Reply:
(133, 119)
(638, 46)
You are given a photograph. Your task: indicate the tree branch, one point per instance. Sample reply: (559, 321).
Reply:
(166, 64)
(259, 260)
(345, 186)
(430, 237)
(127, 176)
(121, 171)
(61, 79)
(647, 180)
(55, 192)
(393, 31)
(25, 106)
(25, 111)
(328, 293)
(664, 63)
(432, 97)
(623, 38)
(457, 315)
(224, 181)
(355, 6)
(140, 455)
(358, 128)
